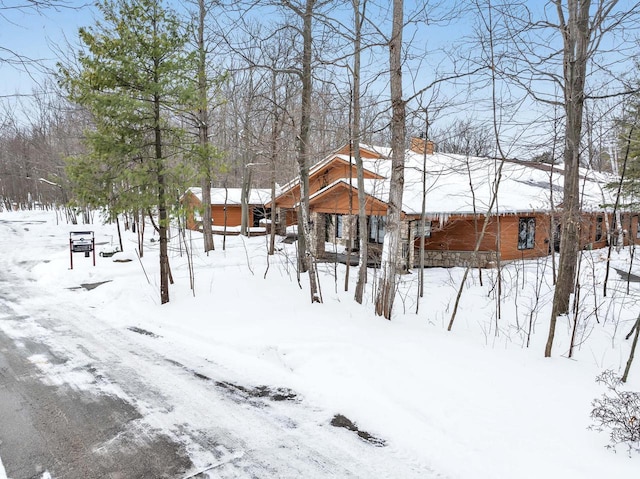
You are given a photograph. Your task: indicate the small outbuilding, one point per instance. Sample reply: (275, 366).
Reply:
(226, 209)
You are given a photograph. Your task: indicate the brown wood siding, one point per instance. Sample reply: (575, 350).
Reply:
(633, 233)
(336, 201)
(509, 225)
(289, 199)
(364, 153)
(290, 216)
(234, 215)
(458, 234)
(588, 230)
(334, 170)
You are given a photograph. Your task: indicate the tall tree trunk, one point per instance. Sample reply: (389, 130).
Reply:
(576, 35)
(391, 248)
(355, 145)
(162, 207)
(304, 221)
(272, 213)
(423, 207)
(247, 158)
(273, 157)
(119, 233)
(244, 199)
(203, 131)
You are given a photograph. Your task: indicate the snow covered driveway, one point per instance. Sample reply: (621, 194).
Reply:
(87, 393)
(246, 378)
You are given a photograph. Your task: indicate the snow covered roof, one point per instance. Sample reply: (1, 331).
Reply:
(380, 165)
(232, 196)
(455, 182)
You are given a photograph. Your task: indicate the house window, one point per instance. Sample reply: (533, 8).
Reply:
(526, 233)
(426, 232)
(376, 229)
(339, 226)
(637, 227)
(599, 221)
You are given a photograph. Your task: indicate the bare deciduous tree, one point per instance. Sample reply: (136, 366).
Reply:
(582, 27)
(391, 249)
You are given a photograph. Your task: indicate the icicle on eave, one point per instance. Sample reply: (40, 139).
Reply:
(441, 218)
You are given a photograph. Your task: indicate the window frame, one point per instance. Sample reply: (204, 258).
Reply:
(377, 235)
(599, 224)
(339, 226)
(526, 233)
(426, 232)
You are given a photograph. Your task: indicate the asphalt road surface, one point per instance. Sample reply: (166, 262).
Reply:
(59, 430)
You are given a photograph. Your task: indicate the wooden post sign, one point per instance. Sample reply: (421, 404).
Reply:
(82, 242)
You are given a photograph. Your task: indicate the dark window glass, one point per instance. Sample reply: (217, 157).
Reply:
(376, 229)
(599, 221)
(526, 233)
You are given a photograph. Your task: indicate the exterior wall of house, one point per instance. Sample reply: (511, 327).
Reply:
(234, 215)
(632, 225)
(347, 237)
(333, 171)
(453, 243)
(338, 201)
(289, 199)
(459, 234)
(450, 259)
(325, 230)
(522, 236)
(513, 247)
(364, 152)
(593, 230)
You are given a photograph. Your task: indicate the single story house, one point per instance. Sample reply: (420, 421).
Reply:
(226, 208)
(458, 191)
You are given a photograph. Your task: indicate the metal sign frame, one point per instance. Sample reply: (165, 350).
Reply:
(79, 243)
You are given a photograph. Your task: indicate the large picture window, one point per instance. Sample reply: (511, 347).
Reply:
(376, 229)
(526, 233)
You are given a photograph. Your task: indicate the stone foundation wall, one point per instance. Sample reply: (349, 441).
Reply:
(448, 259)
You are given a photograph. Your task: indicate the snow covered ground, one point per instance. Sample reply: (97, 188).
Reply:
(475, 402)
